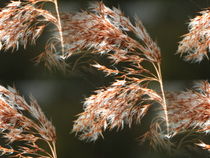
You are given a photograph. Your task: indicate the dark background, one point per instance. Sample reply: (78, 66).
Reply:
(61, 95)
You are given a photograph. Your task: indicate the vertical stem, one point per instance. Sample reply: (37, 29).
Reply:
(59, 25)
(164, 99)
(54, 149)
(160, 80)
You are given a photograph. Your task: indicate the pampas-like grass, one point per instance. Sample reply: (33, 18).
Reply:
(103, 31)
(26, 125)
(196, 44)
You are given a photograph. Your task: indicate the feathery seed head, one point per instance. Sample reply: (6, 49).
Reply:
(23, 123)
(196, 44)
(105, 31)
(21, 22)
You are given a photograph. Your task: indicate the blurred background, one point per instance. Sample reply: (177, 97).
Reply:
(61, 95)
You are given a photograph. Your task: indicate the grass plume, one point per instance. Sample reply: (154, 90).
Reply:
(23, 126)
(107, 32)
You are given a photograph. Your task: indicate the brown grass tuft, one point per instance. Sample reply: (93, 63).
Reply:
(26, 125)
(21, 23)
(103, 30)
(196, 44)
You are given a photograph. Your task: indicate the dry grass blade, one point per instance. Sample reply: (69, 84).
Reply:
(204, 145)
(23, 126)
(102, 30)
(188, 114)
(113, 107)
(190, 109)
(22, 22)
(196, 44)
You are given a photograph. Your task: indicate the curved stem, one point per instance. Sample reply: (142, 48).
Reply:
(59, 25)
(52, 149)
(159, 74)
(164, 98)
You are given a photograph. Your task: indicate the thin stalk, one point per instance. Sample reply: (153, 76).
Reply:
(59, 25)
(160, 80)
(182, 139)
(52, 149)
(77, 61)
